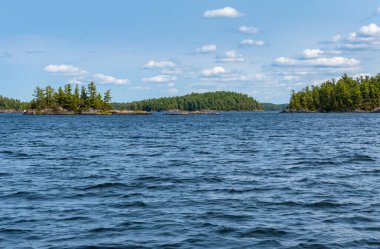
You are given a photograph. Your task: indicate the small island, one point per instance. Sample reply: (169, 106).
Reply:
(343, 95)
(196, 103)
(77, 101)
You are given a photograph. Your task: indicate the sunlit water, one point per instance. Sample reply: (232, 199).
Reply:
(238, 180)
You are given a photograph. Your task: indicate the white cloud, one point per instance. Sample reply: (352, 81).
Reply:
(248, 29)
(337, 38)
(161, 79)
(219, 74)
(159, 64)
(106, 79)
(64, 69)
(230, 56)
(213, 71)
(250, 42)
(370, 30)
(291, 77)
(368, 37)
(312, 53)
(319, 62)
(206, 49)
(227, 12)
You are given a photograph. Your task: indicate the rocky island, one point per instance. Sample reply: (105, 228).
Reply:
(77, 101)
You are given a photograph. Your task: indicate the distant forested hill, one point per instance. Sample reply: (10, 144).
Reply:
(11, 104)
(274, 107)
(219, 101)
(345, 95)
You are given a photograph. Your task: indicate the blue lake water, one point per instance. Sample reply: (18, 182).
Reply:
(237, 180)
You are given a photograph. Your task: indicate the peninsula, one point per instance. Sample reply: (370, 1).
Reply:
(346, 94)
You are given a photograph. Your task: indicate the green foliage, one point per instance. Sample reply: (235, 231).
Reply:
(220, 101)
(273, 107)
(345, 95)
(66, 98)
(12, 104)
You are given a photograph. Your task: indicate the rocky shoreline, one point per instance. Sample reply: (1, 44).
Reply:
(178, 112)
(376, 110)
(10, 111)
(84, 112)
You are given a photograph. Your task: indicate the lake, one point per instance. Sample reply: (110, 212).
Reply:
(236, 180)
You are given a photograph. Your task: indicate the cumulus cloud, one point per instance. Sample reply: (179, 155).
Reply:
(230, 56)
(312, 53)
(220, 74)
(206, 49)
(250, 42)
(64, 69)
(368, 37)
(318, 62)
(161, 79)
(248, 29)
(106, 79)
(159, 64)
(213, 71)
(370, 30)
(227, 12)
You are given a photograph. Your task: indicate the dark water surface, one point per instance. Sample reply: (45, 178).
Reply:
(238, 180)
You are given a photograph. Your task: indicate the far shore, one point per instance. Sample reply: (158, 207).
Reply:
(376, 110)
(84, 112)
(126, 112)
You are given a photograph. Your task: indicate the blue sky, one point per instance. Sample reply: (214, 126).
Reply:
(149, 48)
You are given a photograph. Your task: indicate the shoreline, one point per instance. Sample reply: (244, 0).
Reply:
(377, 110)
(128, 112)
(86, 112)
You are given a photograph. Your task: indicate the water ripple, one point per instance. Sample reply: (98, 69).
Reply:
(236, 180)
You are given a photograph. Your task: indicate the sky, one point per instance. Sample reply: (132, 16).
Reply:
(148, 48)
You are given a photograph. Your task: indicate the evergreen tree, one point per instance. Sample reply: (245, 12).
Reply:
(346, 94)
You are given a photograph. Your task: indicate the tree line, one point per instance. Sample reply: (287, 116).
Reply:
(219, 101)
(344, 95)
(12, 104)
(72, 99)
(273, 107)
